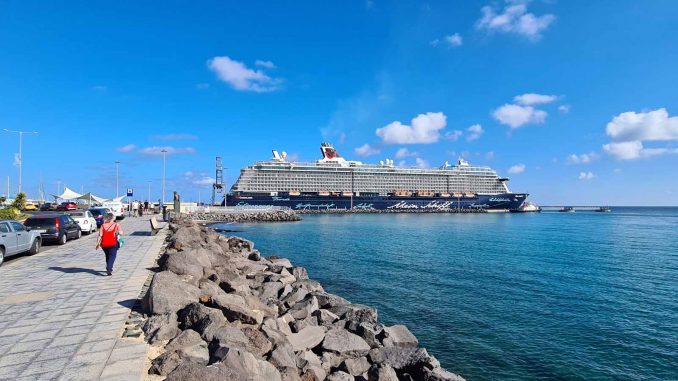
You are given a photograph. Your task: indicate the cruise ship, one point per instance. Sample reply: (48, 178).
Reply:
(333, 182)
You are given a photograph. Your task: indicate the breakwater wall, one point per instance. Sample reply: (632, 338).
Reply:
(219, 310)
(249, 216)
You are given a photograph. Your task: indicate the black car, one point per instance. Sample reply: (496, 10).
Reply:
(54, 227)
(99, 214)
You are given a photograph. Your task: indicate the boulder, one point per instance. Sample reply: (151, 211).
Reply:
(283, 356)
(326, 300)
(309, 285)
(304, 309)
(257, 343)
(201, 319)
(169, 293)
(249, 367)
(325, 317)
(186, 237)
(382, 373)
(165, 363)
(254, 255)
(284, 262)
(298, 325)
(439, 374)
(186, 347)
(403, 358)
(344, 342)
(225, 338)
(400, 336)
(355, 366)
(370, 333)
(295, 296)
(161, 327)
(181, 263)
(186, 338)
(237, 312)
(300, 273)
(307, 338)
(290, 374)
(339, 376)
(271, 290)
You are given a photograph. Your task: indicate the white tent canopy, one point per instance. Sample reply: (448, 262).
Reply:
(69, 194)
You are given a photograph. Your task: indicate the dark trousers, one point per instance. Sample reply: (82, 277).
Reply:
(111, 253)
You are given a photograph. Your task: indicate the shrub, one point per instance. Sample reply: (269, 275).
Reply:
(9, 214)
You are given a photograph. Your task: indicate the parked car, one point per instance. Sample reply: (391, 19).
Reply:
(116, 207)
(54, 227)
(48, 206)
(30, 207)
(68, 205)
(99, 214)
(16, 239)
(86, 220)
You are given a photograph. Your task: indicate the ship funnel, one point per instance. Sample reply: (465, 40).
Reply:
(284, 154)
(276, 155)
(381, 162)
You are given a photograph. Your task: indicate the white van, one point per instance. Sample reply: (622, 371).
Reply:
(116, 207)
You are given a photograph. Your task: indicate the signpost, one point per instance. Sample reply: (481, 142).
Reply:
(130, 193)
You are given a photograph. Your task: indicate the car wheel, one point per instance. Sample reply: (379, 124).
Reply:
(63, 239)
(79, 234)
(2, 255)
(35, 248)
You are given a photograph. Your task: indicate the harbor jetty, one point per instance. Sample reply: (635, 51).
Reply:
(220, 310)
(228, 215)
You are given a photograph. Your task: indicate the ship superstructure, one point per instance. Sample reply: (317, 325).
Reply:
(336, 183)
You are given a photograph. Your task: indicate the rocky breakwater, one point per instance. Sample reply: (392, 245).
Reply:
(250, 216)
(218, 310)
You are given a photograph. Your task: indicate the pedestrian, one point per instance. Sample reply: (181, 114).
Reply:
(141, 209)
(109, 240)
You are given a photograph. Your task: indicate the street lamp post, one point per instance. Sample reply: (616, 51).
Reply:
(164, 153)
(21, 135)
(117, 183)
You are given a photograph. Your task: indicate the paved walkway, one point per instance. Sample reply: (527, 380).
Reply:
(61, 318)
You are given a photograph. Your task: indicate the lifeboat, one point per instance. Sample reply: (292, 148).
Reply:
(457, 194)
(425, 194)
(469, 194)
(444, 195)
(403, 193)
(347, 194)
(323, 193)
(294, 193)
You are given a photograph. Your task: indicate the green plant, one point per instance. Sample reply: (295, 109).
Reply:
(19, 201)
(9, 214)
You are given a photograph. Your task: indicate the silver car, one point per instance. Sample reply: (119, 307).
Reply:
(16, 239)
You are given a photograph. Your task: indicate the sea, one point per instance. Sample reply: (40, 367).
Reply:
(535, 296)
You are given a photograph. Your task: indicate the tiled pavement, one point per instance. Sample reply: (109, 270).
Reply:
(61, 318)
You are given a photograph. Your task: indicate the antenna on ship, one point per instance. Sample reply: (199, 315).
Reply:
(218, 186)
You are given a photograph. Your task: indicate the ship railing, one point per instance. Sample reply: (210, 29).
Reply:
(233, 209)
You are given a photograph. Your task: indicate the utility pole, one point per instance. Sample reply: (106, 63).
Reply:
(117, 183)
(21, 135)
(164, 153)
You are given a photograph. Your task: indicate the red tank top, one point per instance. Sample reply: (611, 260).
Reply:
(109, 238)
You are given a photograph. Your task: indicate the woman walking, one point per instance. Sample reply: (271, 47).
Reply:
(108, 240)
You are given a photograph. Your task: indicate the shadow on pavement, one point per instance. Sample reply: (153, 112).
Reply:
(129, 303)
(73, 270)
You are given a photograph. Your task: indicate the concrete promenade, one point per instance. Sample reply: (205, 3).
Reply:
(61, 318)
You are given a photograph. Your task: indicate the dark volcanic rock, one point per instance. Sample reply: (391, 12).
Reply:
(169, 293)
(204, 320)
(399, 336)
(161, 327)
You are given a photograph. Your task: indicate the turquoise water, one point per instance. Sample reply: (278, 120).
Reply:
(507, 296)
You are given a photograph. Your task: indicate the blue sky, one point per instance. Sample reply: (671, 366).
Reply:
(574, 100)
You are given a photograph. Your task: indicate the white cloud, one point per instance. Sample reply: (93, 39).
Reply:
(584, 158)
(175, 137)
(564, 109)
(517, 116)
(404, 152)
(266, 64)
(514, 18)
(586, 175)
(434, 42)
(454, 39)
(126, 148)
(241, 77)
(617, 170)
(629, 131)
(531, 99)
(155, 151)
(204, 181)
(421, 163)
(366, 150)
(475, 132)
(453, 135)
(425, 129)
(518, 168)
(653, 125)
